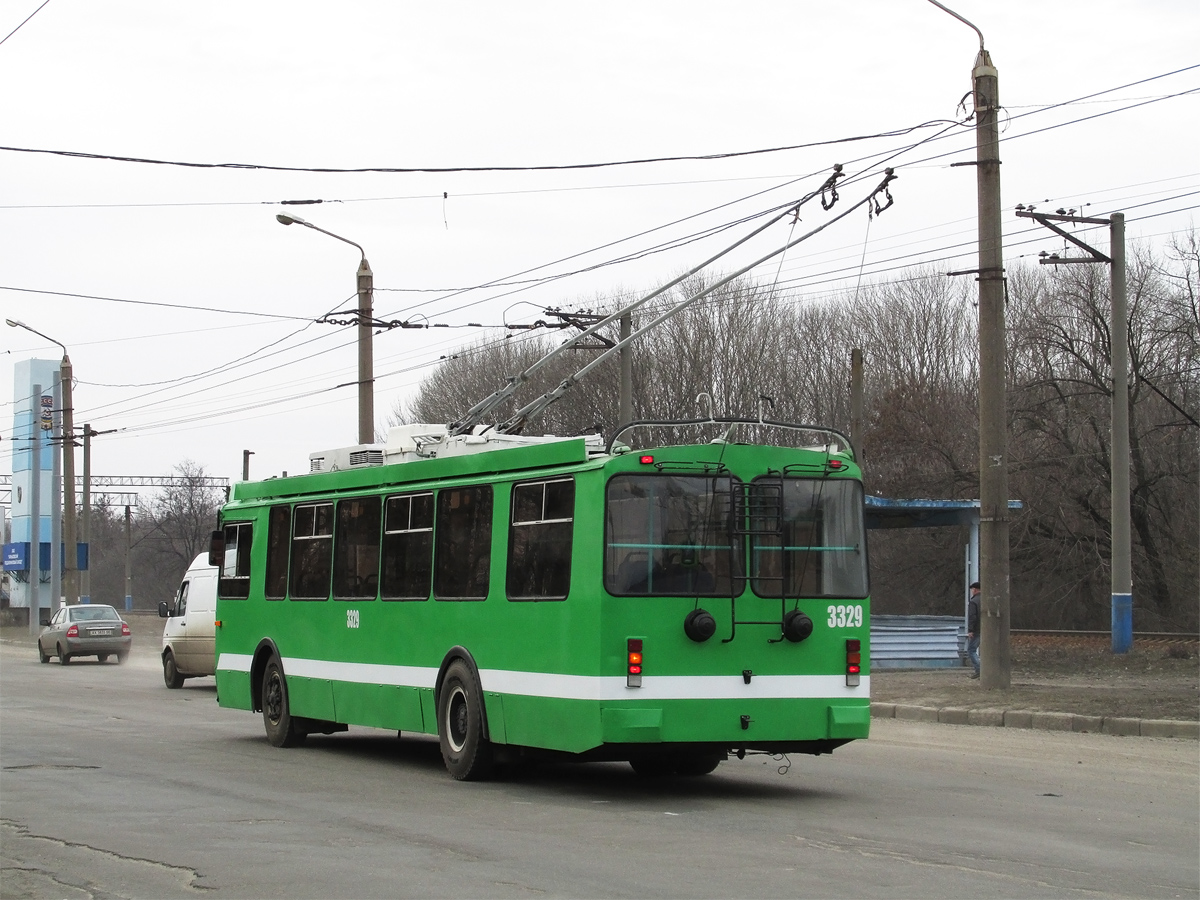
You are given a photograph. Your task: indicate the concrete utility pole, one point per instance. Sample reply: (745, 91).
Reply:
(366, 358)
(70, 536)
(56, 506)
(246, 454)
(994, 650)
(85, 576)
(1122, 540)
(128, 559)
(35, 516)
(856, 402)
(626, 412)
(366, 321)
(994, 619)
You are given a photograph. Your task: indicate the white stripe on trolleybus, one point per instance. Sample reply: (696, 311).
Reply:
(576, 687)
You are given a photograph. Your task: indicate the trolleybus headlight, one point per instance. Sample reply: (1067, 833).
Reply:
(700, 625)
(797, 626)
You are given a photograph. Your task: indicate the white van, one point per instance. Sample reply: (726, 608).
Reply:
(189, 639)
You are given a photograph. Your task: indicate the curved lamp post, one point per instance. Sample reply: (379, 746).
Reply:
(366, 375)
(70, 561)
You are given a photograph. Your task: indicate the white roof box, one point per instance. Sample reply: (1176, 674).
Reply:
(346, 458)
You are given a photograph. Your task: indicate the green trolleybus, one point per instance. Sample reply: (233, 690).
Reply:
(524, 597)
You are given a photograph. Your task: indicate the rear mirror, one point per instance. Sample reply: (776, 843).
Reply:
(216, 549)
(44, 617)
(164, 610)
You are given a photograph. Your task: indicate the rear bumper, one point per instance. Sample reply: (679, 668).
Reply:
(88, 646)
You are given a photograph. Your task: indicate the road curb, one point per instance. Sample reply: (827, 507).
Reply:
(1040, 721)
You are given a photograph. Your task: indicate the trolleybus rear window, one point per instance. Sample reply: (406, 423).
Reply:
(312, 551)
(810, 542)
(234, 581)
(356, 549)
(539, 540)
(670, 535)
(407, 547)
(279, 543)
(463, 543)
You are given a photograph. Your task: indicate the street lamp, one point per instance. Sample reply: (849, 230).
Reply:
(70, 563)
(366, 374)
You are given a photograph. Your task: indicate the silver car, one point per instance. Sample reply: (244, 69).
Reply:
(90, 629)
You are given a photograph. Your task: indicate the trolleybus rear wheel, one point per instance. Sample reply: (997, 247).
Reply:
(277, 717)
(697, 763)
(686, 764)
(467, 753)
(652, 766)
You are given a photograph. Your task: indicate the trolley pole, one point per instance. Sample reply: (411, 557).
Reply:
(625, 414)
(994, 651)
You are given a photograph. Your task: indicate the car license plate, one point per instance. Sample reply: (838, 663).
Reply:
(101, 632)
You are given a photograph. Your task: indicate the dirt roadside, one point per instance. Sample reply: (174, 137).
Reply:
(1155, 680)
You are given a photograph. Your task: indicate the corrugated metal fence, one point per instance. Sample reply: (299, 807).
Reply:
(917, 642)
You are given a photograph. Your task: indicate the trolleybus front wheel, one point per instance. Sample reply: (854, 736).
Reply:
(277, 717)
(467, 753)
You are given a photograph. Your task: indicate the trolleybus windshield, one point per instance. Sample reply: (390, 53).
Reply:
(817, 548)
(671, 535)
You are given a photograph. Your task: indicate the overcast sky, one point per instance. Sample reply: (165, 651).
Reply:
(188, 310)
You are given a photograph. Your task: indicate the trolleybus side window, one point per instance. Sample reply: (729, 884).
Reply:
(312, 551)
(671, 535)
(356, 549)
(539, 540)
(819, 550)
(407, 567)
(463, 543)
(234, 581)
(279, 542)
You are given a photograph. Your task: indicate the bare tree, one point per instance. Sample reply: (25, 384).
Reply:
(183, 516)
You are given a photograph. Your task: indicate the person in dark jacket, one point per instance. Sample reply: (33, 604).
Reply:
(973, 628)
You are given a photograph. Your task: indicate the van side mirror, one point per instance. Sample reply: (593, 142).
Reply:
(164, 610)
(216, 549)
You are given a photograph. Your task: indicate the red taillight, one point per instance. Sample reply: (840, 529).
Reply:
(834, 463)
(853, 662)
(73, 631)
(125, 628)
(633, 662)
(646, 460)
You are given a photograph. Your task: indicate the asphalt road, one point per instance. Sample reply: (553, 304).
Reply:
(112, 786)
